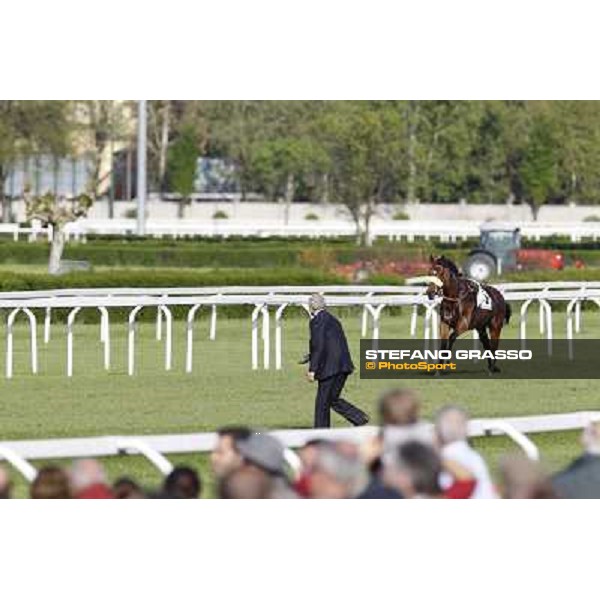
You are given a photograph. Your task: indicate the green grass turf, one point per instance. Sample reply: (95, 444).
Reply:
(224, 390)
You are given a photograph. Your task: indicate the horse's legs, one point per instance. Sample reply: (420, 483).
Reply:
(444, 335)
(495, 330)
(487, 345)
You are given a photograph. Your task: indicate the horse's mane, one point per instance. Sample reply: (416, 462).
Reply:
(448, 264)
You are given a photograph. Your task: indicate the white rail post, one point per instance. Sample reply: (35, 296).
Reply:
(578, 309)
(266, 333)
(570, 326)
(169, 337)
(9, 342)
(213, 322)
(365, 317)
(24, 467)
(47, 320)
(413, 320)
(105, 335)
(154, 456)
(278, 334)
(255, 313)
(435, 324)
(70, 320)
(523, 322)
(189, 353)
(376, 313)
(32, 339)
(530, 449)
(549, 332)
(159, 314)
(131, 339)
(542, 317)
(427, 326)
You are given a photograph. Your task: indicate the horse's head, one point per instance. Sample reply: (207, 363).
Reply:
(445, 271)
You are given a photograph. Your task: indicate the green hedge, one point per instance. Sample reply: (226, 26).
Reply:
(12, 281)
(160, 255)
(208, 253)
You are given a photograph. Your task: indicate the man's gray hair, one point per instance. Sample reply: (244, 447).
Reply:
(348, 470)
(316, 302)
(452, 424)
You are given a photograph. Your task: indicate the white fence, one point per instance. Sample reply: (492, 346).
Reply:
(32, 233)
(410, 231)
(154, 447)
(268, 302)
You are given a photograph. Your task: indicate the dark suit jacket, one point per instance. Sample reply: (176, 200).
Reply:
(581, 479)
(329, 354)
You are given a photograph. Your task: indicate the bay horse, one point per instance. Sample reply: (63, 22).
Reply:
(459, 311)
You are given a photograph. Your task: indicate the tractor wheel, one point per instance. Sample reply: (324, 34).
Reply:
(480, 267)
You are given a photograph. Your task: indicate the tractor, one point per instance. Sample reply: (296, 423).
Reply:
(500, 250)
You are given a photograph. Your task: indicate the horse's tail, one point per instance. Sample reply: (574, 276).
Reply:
(507, 313)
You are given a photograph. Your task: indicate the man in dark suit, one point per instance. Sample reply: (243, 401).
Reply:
(330, 364)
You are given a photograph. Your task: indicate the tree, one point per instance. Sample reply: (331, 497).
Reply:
(182, 164)
(29, 127)
(538, 169)
(364, 145)
(100, 123)
(57, 212)
(236, 130)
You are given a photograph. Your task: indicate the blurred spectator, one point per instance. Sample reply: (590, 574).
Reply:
(126, 488)
(225, 457)
(182, 483)
(88, 480)
(267, 453)
(399, 413)
(5, 484)
(51, 483)
(522, 478)
(451, 430)
(246, 482)
(581, 479)
(338, 472)
(414, 471)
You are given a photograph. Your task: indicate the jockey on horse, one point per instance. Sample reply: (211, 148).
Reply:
(462, 308)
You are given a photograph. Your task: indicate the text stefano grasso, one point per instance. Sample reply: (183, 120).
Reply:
(381, 354)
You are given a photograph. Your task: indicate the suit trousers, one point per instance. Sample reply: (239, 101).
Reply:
(328, 397)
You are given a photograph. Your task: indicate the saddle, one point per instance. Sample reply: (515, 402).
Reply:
(483, 299)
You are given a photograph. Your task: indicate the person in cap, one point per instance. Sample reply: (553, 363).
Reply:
(330, 364)
(267, 454)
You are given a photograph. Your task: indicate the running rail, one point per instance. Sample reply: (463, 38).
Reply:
(373, 305)
(154, 447)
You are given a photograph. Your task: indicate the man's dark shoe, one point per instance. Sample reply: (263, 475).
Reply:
(364, 420)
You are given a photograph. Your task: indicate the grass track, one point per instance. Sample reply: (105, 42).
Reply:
(223, 389)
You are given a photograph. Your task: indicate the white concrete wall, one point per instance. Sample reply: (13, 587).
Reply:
(274, 213)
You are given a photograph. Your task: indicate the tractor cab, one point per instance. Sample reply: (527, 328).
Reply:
(498, 248)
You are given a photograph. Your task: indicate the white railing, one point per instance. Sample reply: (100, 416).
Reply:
(154, 447)
(277, 300)
(410, 231)
(32, 233)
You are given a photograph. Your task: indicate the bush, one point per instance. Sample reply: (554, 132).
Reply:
(591, 219)
(10, 282)
(401, 216)
(220, 214)
(311, 217)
